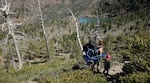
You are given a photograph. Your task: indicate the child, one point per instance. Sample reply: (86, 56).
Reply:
(107, 64)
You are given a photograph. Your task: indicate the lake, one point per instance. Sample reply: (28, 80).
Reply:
(85, 20)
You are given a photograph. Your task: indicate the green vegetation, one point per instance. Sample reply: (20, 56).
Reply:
(31, 29)
(0, 51)
(78, 76)
(126, 38)
(70, 45)
(140, 49)
(136, 78)
(2, 35)
(34, 72)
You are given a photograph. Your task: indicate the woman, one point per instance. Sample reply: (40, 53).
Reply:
(100, 50)
(100, 47)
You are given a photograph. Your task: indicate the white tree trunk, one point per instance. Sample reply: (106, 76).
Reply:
(43, 29)
(18, 52)
(77, 29)
(10, 25)
(11, 31)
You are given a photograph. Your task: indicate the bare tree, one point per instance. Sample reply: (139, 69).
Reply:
(10, 25)
(77, 29)
(43, 29)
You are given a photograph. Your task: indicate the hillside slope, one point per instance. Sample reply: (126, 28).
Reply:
(125, 35)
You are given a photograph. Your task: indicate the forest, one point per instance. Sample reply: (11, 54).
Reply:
(41, 41)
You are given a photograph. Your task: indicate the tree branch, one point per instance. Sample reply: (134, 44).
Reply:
(6, 40)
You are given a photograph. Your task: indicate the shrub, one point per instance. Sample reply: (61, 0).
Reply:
(136, 78)
(108, 42)
(140, 50)
(2, 35)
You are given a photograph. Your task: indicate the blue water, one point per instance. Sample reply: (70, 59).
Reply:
(85, 20)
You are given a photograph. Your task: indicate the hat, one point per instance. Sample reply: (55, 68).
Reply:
(108, 56)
